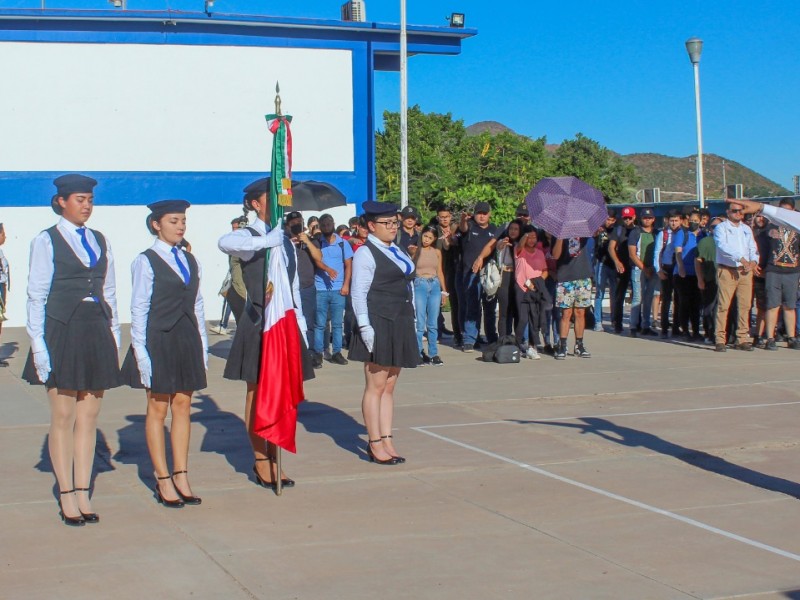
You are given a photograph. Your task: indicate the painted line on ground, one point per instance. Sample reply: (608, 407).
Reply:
(604, 416)
(613, 496)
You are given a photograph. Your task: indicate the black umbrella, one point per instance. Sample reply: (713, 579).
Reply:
(315, 196)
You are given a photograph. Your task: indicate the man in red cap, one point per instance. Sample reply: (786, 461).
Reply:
(618, 251)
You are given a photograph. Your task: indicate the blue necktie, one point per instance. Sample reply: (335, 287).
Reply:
(181, 266)
(406, 266)
(87, 247)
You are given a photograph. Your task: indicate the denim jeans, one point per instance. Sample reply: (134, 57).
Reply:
(604, 276)
(427, 299)
(471, 301)
(330, 305)
(642, 304)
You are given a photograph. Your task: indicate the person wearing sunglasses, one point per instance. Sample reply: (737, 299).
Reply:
(737, 261)
(384, 337)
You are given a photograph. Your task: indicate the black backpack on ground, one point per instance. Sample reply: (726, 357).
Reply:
(503, 351)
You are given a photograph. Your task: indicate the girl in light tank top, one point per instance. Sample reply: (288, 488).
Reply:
(430, 294)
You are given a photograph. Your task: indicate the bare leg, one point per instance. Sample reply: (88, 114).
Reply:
(579, 321)
(387, 412)
(563, 326)
(789, 320)
(179, 435)
(61, 444)
(765, 324)
(258, 443)
(157, 407)
(376, 378)
(87, 409)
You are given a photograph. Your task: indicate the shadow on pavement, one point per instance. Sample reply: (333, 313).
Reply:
(226, 433)
(133, 449)
(102, 461)
(8, 350)
(702, 460)
(343, 429)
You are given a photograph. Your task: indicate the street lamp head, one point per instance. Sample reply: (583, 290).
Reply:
(694, 46)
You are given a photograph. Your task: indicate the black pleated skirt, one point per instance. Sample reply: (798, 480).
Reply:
(395, 342)
(83, 354)
(176, 357)
(244, 357)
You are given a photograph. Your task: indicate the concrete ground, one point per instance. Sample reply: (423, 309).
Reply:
(652, 470)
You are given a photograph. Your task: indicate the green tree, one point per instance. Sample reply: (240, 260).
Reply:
(595, 164)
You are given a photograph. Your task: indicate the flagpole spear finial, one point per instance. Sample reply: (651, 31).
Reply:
(278, 99)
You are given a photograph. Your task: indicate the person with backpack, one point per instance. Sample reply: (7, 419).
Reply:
(475, 233)
(641, 244)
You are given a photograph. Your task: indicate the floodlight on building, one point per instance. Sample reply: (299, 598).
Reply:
(456, 20)
(118, 3)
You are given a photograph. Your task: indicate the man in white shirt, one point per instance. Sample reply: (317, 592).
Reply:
(737, 260)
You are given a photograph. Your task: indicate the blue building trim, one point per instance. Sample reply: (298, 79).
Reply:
(127, 188)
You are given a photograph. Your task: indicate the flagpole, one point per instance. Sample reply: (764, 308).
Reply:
(403, 107)
(278, 449)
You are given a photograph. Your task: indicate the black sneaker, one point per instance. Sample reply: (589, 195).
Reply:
(426, 360)
(649, 331)
(561, 352)
(581, 351)
(436, 361)
(771, 345)
(338, 359)
(548, 349)
(316, 360)
(793, 343)
(468, 348)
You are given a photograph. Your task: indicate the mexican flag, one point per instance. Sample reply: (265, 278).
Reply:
(280, 379)
(281, 169)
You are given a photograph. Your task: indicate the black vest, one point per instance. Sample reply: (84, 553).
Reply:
(390, 293)
(254, 273)
(72, 280)
(172, 299)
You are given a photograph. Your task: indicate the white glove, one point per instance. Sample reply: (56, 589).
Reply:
(41, 360)
(117, 339)
(367, 336)
(145, 370)
(205, 358)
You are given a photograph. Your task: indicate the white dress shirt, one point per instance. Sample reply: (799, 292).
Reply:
(143, 276)
(734, 243)
(364, 273)
(41, 278)
(244, 245)
(782, 216)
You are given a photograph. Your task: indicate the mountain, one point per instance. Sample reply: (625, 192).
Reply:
(672, 174)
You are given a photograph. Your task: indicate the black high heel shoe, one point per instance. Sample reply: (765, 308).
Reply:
(88, 517)
(388, 461)
(168, 503)
(186, 499)
(285, 481)
(399, 459)
(71, 521)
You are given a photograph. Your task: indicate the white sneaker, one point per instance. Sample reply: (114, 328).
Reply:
(532, 354)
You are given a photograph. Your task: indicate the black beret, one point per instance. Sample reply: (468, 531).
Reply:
(73, 184)
(258, 187)
(167, 207)
(377, 209)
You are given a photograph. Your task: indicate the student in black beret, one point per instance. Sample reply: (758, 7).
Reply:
(168, 357)
(250, 244)
(385, 338)
(74, 331)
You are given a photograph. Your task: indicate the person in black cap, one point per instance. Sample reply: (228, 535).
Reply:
(522, 214)
(407, 235)
(74, 330)
(641, 246)
(244, 359)
(475, 233)
(168, 357)
(385, 339)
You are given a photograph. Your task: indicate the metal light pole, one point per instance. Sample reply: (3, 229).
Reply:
(403, 107)
(694, 46)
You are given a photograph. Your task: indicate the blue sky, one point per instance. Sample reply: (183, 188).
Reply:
(616, 71)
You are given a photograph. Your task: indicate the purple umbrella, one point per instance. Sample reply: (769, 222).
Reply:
(566, 207)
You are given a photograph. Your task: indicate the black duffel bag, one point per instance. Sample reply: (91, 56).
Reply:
(503, 351)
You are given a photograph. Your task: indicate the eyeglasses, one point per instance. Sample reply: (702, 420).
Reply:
(628, 218)
(735, 210)
(389, 224)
